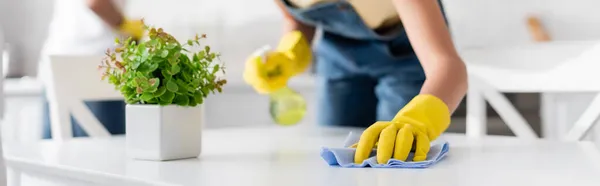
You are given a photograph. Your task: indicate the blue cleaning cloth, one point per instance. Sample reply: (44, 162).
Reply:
(344, 157)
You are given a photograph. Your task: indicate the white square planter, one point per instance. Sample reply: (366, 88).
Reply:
(163, 133)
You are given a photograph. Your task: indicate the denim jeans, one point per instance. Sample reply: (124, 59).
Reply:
(364, 76)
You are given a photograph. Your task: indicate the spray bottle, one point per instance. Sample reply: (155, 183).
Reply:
(286, 106)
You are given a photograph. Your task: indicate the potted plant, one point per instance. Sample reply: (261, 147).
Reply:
(164, 84)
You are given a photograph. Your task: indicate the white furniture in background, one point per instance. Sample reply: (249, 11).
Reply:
(73, 80)
(23, 109)
(3, 180)
(290, 156)
(545, 67)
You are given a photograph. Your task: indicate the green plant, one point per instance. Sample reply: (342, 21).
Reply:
(163, 71)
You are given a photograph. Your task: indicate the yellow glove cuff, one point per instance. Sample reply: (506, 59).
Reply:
(296, 47)
(426, 112)
(135, 28)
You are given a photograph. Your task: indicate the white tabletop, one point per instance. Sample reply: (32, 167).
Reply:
(290, 156)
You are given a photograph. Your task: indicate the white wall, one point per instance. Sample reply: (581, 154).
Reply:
(239, 26)
(25, 23)
(503, 22)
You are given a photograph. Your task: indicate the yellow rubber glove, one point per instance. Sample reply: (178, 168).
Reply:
(268, 71)
(421, 121)
(133, 28)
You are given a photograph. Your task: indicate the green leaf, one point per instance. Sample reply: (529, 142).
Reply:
(154, 82)
(147, 96)
(142, 82)
(141, 48)
(166, 74)
(181, 100)
(153, 42)
(153, 67)
(160, 91)
(145, 55)
(201, 54)
(205, 90)
(164, 53)
(137, 81)
(117, 41)
(133, 100)
(144, 67)
(175, 69)
(211, 57)
(152, 101)
(171, 46)
(191, 89)
(163, 102)
(198, 97)
(211, 78)
(177, 55)
(186, 75)
(150, 89)
(167, 97)
(128, 41)
(183, 87)
(195, 58)
(192, 103)
(126, 90)
(207, 49)
(136, 64)
(139, 90)
(196, 83)
(172, 86)
(114, 80)
(215, 69)
(190, 42)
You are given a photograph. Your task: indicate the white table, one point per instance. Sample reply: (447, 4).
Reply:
(290, 156)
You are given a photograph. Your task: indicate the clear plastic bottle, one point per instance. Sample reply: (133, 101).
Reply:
(287, 107)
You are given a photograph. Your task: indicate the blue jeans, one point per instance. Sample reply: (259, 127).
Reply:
(110, 113)
(364, 76)
(361, 92)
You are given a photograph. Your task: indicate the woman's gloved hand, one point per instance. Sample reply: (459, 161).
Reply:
(421, 121)
(268, 70)
(133, 28)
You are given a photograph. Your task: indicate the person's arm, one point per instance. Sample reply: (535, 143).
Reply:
(291, 24)
(430, 37)
(107, 11)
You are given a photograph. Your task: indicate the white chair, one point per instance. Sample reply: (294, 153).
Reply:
(517, 69)
(75, 79)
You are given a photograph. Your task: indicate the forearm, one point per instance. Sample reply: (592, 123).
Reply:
(107, 11)
(430, 37)
(449, 83)
(291, 24)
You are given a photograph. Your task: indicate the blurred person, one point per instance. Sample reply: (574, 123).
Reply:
(87, 27)
(386, 65)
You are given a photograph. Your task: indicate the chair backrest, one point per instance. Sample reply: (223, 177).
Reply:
(567, 73)
(74, 79)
